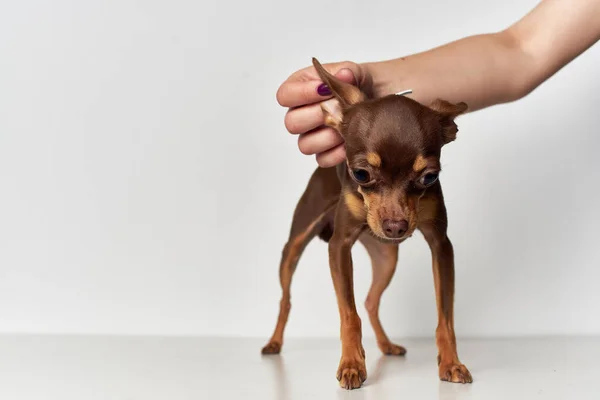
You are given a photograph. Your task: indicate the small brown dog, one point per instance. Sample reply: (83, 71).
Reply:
(387, 189)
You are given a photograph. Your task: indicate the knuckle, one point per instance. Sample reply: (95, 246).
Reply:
(307, 93)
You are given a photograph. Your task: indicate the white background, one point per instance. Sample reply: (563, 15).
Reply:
(147, 182)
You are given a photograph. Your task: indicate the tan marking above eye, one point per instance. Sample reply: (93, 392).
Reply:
(374, 159)
(420, 163)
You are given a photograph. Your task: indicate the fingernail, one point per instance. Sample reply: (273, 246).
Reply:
(324, 90)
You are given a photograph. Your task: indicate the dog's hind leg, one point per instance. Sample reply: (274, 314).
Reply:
(384, 257)
(313, 216)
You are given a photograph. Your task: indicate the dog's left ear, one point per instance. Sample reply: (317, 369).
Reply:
(346, 95)
(448, 112)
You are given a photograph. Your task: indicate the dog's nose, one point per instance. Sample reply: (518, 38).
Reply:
(395, 229)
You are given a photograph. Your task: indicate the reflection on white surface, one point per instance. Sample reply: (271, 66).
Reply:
(149, 368)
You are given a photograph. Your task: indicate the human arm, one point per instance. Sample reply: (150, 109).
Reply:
(481, 70)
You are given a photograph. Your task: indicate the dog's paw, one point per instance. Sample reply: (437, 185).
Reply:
(351, 373)
(456, 373)
(272, 348)
(391, 349)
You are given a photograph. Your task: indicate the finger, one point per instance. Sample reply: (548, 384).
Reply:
(303, 119)
(319, 141)
(299, 93)
(332, 157)
(346, 75)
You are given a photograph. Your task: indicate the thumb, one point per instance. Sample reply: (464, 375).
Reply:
(356, 75)
(347, 75)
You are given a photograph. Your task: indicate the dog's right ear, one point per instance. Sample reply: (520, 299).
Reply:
(346, 95)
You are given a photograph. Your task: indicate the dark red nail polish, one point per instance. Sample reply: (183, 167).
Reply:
(324, 90)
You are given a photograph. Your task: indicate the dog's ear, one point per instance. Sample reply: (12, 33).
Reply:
(447, 113)
(345, 96)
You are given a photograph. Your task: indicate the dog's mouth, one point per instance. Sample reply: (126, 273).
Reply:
(390, 240)
(393, 240)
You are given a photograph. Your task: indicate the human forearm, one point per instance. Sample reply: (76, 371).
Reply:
(452, 72)
(495, 68)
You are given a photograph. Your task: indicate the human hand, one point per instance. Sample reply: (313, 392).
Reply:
(302, 93)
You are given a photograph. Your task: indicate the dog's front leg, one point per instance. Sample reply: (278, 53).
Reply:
(351, 371)
(450, 367)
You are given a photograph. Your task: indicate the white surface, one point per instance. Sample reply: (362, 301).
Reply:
(147, 182)
(146, 368)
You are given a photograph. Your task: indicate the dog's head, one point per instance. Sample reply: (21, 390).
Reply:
(393, 147)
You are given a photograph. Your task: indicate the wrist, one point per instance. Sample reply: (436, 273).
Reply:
(385, 77)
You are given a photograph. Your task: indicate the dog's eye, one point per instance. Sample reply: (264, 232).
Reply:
(429, 179)
(361, 175)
